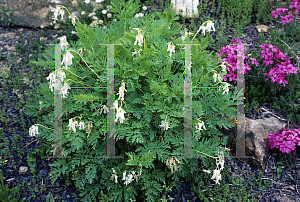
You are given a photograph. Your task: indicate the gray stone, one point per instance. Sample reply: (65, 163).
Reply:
(34, 13)
(256, 139)
(42, 172)
(23, 170)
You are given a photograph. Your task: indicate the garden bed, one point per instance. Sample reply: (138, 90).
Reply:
(15, 137)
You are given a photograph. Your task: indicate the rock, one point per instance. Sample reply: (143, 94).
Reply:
(256, 142)
(187, 6)
(42, 172)
(34, 13)
(23, 170)
(260, 28)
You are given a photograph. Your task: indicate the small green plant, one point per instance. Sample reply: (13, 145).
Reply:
(6, 15)
(20, 48)
(43, 188)
(103, 197)
(2, 56)
(238, 11)
(12, 195)
(276, 105)
(3, 159)
(51, 198)
(263, 9)
(33, 195)
(14, 166)
(24, 182)
(5, 71)
(278, 171)
(237, 191)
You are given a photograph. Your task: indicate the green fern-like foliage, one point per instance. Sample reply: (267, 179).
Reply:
(155, 92)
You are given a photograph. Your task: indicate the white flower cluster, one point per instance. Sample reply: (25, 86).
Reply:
(73, 124)
(63, 43)
(199, 125)
(226, 89)
(121, 92)
(217, 172)
(139, 40)
(139, 52)
(33, 130)
(64, 89)
(120, 111)
(165, 125)
(139, 37)
(217, 76)
(67, 60)
(171, 48)
(58, 11)
(209, 27)
(128, 179)
(139, 15)
(185, 36)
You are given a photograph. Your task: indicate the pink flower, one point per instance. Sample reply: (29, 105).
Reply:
(282, 66)
(288, 18)
(91, 14)
(232, 77)
(283, 10)
(285, 141)
(253, 61)
(268, 61)
(284, 19)
(263, 46)
(275, 14)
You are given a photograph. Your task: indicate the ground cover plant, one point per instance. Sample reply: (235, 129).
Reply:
(45, 108)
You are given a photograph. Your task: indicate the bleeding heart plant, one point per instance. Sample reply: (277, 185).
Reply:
(150, 133)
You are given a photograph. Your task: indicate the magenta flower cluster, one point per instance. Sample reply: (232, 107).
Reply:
(282, 66)
(271, 55)
(287, 18)
(231, 59)
(285, 141)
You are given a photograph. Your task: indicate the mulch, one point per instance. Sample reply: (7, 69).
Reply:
(283, 189)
